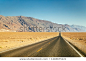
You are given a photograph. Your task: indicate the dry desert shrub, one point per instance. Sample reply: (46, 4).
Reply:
(5, 40)
(0, 47)
(70, 38)
(80, 38)
(32, 39)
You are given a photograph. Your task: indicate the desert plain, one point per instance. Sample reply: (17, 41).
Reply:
(10, 40)
(78, 39)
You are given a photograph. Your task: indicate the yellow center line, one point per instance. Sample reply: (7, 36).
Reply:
(39, 49)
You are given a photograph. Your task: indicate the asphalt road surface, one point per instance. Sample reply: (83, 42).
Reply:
(54, 47)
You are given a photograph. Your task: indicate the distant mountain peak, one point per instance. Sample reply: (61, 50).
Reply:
(14, 23)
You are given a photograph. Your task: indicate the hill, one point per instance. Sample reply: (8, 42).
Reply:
(29, 24)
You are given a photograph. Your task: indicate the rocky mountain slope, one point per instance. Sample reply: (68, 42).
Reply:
(29, 24)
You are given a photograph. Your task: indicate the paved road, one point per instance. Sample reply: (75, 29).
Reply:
(54, 47)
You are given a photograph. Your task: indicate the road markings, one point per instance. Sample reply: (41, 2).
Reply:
(74, 49)
(23, 45)
(39, 49)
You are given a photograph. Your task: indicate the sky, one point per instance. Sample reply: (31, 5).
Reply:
(57, 11)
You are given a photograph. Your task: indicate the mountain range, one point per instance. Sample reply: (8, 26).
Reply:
(30, 24)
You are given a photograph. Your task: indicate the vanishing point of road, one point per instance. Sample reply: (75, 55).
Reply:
(54, 47)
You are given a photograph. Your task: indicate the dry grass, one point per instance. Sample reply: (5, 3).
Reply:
(15, 39)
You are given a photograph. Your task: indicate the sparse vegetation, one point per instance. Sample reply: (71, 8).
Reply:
(15, 39)
(75, 35)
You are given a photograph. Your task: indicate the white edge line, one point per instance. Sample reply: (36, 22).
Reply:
(23, 45)
(74, 48)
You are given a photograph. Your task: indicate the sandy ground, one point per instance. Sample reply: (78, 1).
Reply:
(76, 38)
(9, 40)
